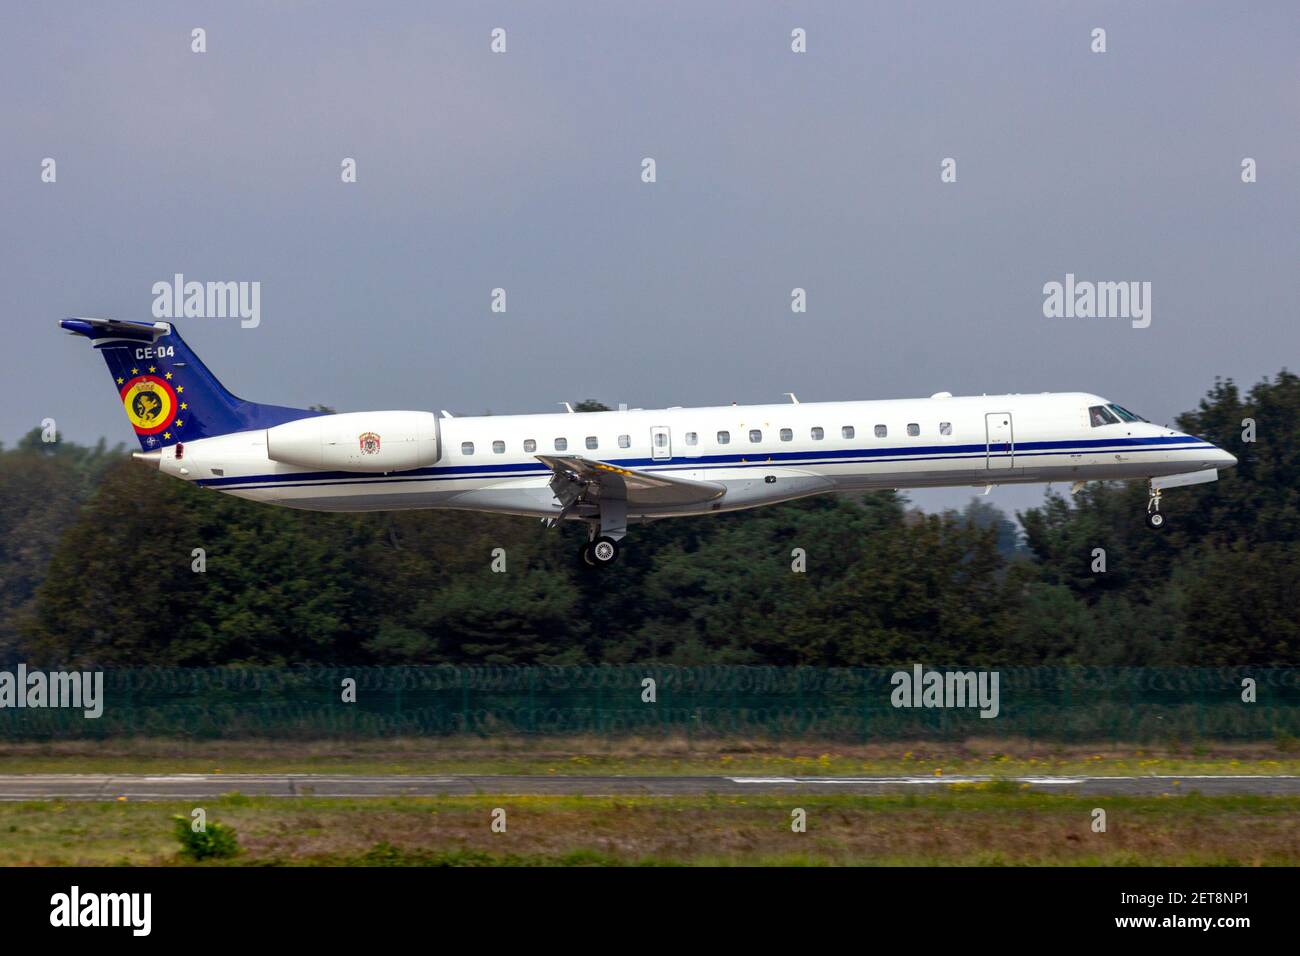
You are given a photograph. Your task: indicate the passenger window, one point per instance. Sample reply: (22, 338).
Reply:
(882, 431)
(945, 428)
(913, 429)
(692, 438)
(498, 448)
(755, 436)
(591, 442)
(1101, 415)
(818, 434)
(847, 431)
(661, 439)
(624, 441)
(561, 444)
(467, 448)
(724, 438)
(787, 434)
(530, 445)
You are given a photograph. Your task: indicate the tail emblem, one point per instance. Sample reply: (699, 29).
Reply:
(369, 443)
(150, 404)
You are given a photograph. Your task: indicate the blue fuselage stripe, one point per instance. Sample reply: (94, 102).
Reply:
(759, 460)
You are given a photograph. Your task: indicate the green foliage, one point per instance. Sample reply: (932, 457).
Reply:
(215, 841)
(1214, 587)
(96, 552)
(41, 487)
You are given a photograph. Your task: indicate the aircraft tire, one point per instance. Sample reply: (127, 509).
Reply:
(604, 551)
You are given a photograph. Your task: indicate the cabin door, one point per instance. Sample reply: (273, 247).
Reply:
(1001, 451)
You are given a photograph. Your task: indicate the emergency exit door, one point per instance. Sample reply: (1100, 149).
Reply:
(661, 443)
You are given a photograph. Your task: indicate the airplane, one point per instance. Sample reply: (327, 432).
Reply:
(613, 469)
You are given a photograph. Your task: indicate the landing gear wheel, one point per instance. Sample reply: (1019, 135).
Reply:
(603, 551)
(586, 556)
(1155, 520)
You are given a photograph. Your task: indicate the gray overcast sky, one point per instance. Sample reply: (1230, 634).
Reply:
(775, 170)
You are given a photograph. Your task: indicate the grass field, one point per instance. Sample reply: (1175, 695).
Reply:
(996, 824)
(658, 755)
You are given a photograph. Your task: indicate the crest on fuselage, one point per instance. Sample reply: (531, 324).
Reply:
(369, 443)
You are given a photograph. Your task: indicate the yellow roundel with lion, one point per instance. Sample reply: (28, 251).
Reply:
(150, 403)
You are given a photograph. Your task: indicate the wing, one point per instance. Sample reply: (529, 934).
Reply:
(581, 480)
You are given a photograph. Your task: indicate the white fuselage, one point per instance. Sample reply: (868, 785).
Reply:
(770, 453)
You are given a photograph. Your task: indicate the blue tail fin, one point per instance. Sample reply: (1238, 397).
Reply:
(169, 395)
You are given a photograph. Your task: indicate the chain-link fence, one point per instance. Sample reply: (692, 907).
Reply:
(851, 704)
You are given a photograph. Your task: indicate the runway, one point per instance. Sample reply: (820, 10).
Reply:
(17, 787)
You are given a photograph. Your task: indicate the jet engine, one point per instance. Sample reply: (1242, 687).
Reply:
(357, 441)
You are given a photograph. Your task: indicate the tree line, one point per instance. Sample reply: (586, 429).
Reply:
(97, 558)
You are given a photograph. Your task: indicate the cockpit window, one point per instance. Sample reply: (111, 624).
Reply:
(1101, 415)
(1125, 414)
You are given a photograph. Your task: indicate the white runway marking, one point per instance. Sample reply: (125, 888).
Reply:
(858, 781)
(1037, 781)
(185, 786)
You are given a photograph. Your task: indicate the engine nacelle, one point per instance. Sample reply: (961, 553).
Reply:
(357, 441)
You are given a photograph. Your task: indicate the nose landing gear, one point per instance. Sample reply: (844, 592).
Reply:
(1155, 520)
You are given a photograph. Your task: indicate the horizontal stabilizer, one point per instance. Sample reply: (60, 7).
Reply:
(116, 329)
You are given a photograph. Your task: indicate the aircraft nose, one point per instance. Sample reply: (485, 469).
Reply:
(1226, 458)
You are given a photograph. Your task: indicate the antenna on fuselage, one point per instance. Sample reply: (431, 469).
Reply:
(793, 399)
(567, 407)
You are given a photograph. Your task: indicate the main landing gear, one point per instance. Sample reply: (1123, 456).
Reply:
(600, 552)
(604, 533)
(1155, 520)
